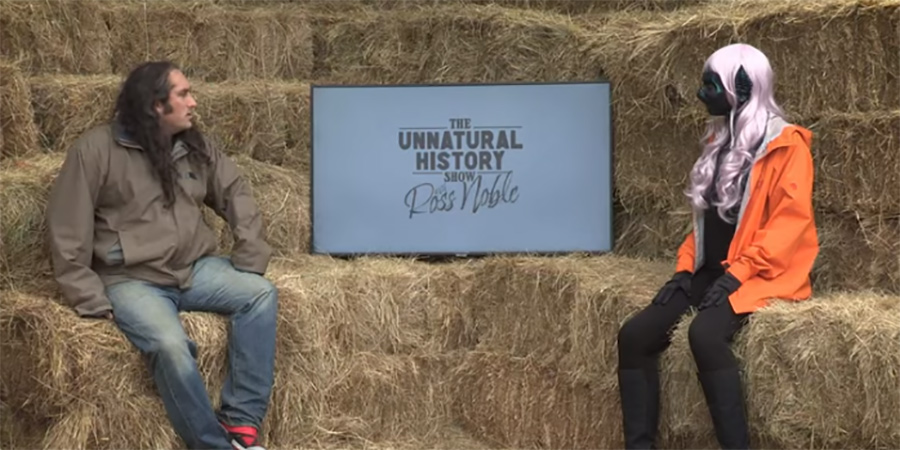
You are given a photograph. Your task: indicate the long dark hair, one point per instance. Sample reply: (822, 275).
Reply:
(136, 114)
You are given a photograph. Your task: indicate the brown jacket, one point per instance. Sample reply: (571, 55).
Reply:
(107, 221)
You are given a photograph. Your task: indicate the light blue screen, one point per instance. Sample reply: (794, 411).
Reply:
(539, 180)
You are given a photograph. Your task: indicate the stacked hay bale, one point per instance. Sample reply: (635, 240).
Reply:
(364, 353)
(520, 351)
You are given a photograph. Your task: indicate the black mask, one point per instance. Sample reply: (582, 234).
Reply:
(713, 95)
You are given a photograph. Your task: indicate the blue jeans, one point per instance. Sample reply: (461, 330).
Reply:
(148, 315)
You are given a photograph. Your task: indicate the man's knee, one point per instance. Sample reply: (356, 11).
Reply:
(264, 296)
(173, 353)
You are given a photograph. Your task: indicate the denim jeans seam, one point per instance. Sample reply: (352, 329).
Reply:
(187, 417)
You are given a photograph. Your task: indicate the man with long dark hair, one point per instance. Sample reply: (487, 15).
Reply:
(129, 244)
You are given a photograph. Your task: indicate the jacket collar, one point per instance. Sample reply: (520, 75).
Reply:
(122, 137)
(780, 133)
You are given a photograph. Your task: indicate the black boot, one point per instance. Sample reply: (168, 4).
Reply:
(639, 394)
(725, 400)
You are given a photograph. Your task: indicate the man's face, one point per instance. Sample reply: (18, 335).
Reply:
(176, 117)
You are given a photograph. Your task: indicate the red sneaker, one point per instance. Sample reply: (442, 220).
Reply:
(243, 437)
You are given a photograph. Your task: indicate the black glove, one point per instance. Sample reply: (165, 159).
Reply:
(680, 281)
(718, 292)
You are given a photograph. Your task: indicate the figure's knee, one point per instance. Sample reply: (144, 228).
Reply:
(699, 335)
(629, 337)
(709, 344)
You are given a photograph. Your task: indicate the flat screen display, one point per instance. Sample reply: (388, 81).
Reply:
(463, 169)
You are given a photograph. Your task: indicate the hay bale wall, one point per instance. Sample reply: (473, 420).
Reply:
(546, 356)
(585, 7)
(364, 354)
(102, 37)
(55, 36)
(216, 43)
(58, 367)
(24, 191)
(252, 118)
(518, 402)
(857, 167)
(856, 251)
(450, 43)
(374, 340)
(543, 371)
(18, 134)
(793, 401)
(827, 54)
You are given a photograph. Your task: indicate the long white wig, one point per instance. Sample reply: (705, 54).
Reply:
(741, 134)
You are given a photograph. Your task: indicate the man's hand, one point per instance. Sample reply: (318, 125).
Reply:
(719, 291)
(106, 315)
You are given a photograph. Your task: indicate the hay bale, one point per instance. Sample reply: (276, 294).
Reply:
(266, 120)
(572, 7)
(363, 353)
(564, 310)
(58, 368)
(212, 42)
(653, 159)
(55, 36)
(68, 105)
(282, 197)
(452, 43)
(650, 233)
(24, 191)
(297, 142)
(18, 133)
(370, 341)
(836, 390)
(16, 431)
(248, 118)
(368, 397)
(518, 402)
(380, 305)
(855, 155)
(858, 162)
(524, 386)
(857, 252)
(841, 54)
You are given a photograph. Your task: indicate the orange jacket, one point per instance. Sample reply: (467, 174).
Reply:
(776, 243)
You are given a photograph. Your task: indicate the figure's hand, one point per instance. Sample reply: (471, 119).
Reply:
(680, 281)
(718, 292)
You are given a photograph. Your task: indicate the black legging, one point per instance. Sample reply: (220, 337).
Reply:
(643, 337)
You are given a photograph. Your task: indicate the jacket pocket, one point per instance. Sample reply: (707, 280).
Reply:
(193, 185)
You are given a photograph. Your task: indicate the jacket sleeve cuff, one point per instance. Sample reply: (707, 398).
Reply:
(742, 272)
(94, 308)
(258, 266)
(685, 265)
